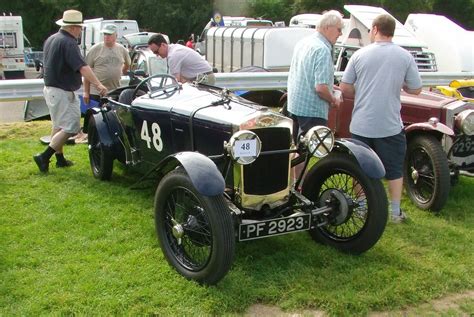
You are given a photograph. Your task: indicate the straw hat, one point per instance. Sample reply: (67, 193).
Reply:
(71, 17)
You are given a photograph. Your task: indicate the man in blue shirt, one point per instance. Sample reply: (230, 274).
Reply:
(375, 76)
(311, 76)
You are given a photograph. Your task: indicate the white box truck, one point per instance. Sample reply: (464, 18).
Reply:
(91, 32)
(12, 55)
(231, 48)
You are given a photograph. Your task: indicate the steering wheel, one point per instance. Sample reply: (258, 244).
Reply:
(156, 90)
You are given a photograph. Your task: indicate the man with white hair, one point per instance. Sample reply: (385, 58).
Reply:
(63, 68)
(311, 76)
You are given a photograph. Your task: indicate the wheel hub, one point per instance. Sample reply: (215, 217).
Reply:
(178, 232)
(341, 202)
(414, 175)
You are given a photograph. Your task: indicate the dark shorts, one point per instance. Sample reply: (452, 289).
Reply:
(391, 151)
(303, 124)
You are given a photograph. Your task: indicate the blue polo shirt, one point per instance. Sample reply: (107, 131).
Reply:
(62, 61)
(311, 65)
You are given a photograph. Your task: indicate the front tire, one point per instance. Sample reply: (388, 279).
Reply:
(195, 232)
(426, 173)
(100, 157)
(361, 209)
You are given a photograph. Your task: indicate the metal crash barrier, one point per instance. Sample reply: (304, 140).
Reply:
(31, 89)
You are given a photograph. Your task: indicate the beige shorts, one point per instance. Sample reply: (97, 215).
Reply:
(64, 108)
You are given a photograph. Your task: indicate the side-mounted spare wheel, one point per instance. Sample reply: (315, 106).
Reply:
(100, 156)
(195, 232)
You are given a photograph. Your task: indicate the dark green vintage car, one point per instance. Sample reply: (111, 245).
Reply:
(223, 170)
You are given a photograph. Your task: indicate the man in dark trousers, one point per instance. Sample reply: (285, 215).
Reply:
(63, 68)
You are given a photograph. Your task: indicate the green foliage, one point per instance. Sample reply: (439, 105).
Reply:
(72, 245)
(275, 10)
(460, 11)
(178, 18)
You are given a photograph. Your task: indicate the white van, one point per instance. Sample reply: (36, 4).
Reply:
(12, 58)
(91, 32)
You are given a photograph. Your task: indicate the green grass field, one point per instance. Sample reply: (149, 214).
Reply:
(70, 244)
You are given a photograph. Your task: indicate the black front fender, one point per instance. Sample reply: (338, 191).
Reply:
(203, 172)
(366, 157)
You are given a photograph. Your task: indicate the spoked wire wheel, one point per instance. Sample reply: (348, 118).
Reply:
(359, 204)
(196, 232)
(352, 202)
(187, 230)
(426, 173)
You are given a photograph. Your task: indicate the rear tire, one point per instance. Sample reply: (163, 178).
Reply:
(100, 157)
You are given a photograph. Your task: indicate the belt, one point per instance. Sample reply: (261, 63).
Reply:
(208, 73)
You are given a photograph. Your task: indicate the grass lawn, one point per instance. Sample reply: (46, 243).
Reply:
(70, 244)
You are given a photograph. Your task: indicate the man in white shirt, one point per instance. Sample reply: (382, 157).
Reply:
(184, 63)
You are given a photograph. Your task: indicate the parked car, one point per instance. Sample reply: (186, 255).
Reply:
(134, 41)
(223, 169)
(440, 144)
(461, 89)
(143, 62)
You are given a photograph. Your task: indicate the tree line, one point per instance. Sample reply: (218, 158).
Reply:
(179, 18)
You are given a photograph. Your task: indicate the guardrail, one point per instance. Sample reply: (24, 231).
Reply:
(30, 89)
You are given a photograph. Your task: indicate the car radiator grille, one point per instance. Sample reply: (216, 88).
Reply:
(269, 173)
(425, 61)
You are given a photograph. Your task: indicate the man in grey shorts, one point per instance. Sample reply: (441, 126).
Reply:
(375, 76)
(63, 66)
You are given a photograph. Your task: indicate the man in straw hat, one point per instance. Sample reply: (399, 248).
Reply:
(63, 66)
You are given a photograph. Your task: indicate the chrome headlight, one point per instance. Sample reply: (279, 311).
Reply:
(465, 122)
(319, 140)
(244, 147)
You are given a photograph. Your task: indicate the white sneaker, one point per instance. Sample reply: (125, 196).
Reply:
(402, 217)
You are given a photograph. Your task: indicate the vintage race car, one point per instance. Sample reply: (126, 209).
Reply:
(461, 89)
(440, 144)
(223, 172)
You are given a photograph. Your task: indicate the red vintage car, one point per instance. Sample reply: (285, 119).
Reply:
(440, 144)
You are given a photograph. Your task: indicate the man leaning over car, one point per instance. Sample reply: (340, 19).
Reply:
(183, 62)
